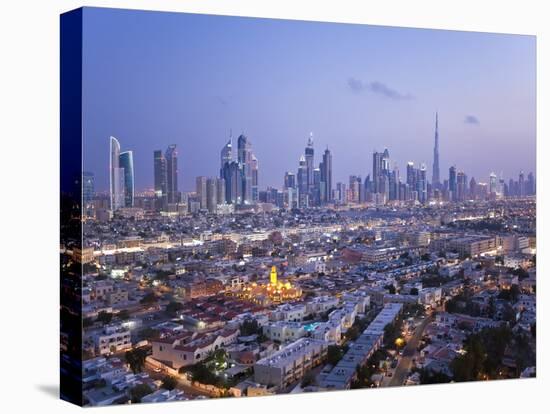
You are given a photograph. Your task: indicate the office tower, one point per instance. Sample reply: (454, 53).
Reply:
(422, 184)
(531, 186)
(290, 180)
(220, 191)
(473, 187)
(127, 164)
(254, 173)
(326, 177)
(244, 157)
(341, 193)
(492, 183)
(354, 192)
(316, 190)
(380, 172)
(376, 170)
(435, 171)
(159, 173)
(201, 191)
(226, 155)
(232, 174)
(172, 192)
(309, 158)
(521, 184)
(211, 194)
(88, 188)
(452, 183)
(461, 186)
(411, 176)
(302, 182)
(116, 176)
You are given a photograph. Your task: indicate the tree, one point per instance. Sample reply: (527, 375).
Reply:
(414, 291)
(334, 354)
(148, 299)
(135, 358)
(308, 379)
(169, 383)
(390, 288)
(250, 327)
(140, 391)
(104, 317)
(123, 315)
(173, 308)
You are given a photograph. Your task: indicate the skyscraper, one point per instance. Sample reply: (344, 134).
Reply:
(326, 177)
(226, 155)
(309, 157)
(116, 176)
(88, 188)
(422, 184)
(435, 172)
(201, 190)
(248, 165)
(302, 182)
(159, 169)
(211, 195)
(127, 164)
(452, 184)
(172, 191)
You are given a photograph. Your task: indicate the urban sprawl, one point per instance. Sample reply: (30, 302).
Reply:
(233, 290)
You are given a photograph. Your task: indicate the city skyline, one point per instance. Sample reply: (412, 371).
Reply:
(362, 105)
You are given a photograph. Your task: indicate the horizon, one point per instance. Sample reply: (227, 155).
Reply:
(157, 78)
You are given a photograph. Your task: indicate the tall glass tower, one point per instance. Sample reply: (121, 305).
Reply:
(172, 174)
(116, 176)
(126, 162)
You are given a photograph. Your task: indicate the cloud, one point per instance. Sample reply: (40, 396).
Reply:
(471, 120)
(377, 87)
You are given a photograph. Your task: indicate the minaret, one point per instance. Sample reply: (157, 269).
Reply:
(273, 275)
(435, 172)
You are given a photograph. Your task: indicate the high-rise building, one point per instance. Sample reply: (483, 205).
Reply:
(302, 182)
(290, 180)
(226, 155)
(211, 195)
(435, 172)
(172, 191)
(492, 183)
(160, 178)
(88, 188)
(326, 177)
(521, 184)
(461, 186)
(201, 190)
(244, 157)
(422, 184)
(452, 184)
(309, 155)
(127, 164)
(220, 191)
(116, 176)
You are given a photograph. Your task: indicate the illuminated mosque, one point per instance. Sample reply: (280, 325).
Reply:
(276, 291)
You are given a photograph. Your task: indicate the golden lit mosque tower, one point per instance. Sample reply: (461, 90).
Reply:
(273, 275)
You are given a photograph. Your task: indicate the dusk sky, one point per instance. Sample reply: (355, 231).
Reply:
(152, 79)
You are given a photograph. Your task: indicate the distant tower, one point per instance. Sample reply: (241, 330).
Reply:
(273, 275)
(126, 162)
(172, 174)
(435, 173)
(309, 156)
(116, 176)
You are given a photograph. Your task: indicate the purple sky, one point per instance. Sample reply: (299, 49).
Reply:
(152, 79)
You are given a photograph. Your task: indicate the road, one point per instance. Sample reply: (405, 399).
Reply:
(405, 362)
